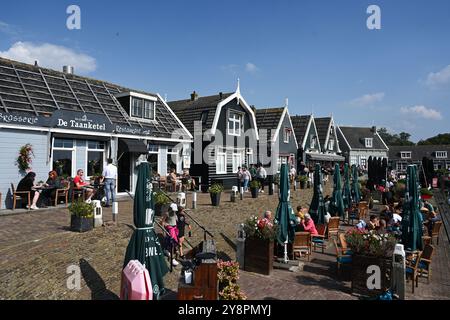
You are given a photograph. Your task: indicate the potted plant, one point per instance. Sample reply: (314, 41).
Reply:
(161, 202)
(259, 244)
(303, 180)
(214, 191)
(23, 161)
(228, 274)
(82, 216)
(255, 185)
(426, 194)
(370, 249)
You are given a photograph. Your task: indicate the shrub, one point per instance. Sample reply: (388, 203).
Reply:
(255, 184)
(302, 178)
(228, 274)
(256, 228)
(82, 209)
(160, 198)
(426, 192)
(370, 243)
(215, 188)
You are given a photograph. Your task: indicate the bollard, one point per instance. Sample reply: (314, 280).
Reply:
(240, 246)
(115, 211)
(242, 193)
(295, 185)
(194, 200)
(233, 194)
(98, 213)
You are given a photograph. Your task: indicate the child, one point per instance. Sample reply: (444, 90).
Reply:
(181, 224)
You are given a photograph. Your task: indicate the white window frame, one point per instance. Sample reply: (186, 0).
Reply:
(331, 144)
(441, 154)
(94, 150)
(177, 159)
(236, 161)
(144, 100)
(152, 151)
(221, 154)
(233, 120)
(405, 154)
(186, 157)
(249, 154)
(74, 154)
(369, 142)
(353, 160)
(287, 135)
(363, 161)
(153, 107)
(401, 166)
(447, 165)
(313, 142)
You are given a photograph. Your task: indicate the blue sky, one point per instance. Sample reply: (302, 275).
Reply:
(319, 54)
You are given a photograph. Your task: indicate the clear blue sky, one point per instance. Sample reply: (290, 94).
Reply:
(319, 54)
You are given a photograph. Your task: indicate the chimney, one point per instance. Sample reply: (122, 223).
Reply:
(194, 96)
(374, 129)
(68, 69)
(36, 63)
(221, 95)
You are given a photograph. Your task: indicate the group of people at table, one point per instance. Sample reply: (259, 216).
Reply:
(177, 182)
(44, 193)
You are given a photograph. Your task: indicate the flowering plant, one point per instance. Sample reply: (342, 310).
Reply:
(228, 274)
(257, 228)
(24, 159)
(370, 243)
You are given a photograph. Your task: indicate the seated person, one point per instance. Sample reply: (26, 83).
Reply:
(172, 179)
(373, 223)
(361, 225)
(267, 219)
(382, 227)
(187, 180)
(27, 184)
(307, 224)
(432, 217)
(79, 183)
(52, 184)
(300, 212)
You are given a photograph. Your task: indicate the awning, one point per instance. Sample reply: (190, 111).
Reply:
(324, 157)
(133, 146)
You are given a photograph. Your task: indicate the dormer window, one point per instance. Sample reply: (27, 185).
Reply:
(331, 145)
(441, 154)
(405, 155)
(313, 142)
(287, 135)
(139, 106)
(234, 123)
(369, 142)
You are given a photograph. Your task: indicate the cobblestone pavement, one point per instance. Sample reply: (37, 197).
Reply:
(37, 248)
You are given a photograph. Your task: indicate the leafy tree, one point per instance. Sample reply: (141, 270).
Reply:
(440, 139)
(401, 139)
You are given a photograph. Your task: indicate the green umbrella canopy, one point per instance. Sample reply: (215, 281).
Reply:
(144, 243)
(355, 185)
(317, 208)
(285, 217)
(412, 217)
(337, 203)
(346, 192)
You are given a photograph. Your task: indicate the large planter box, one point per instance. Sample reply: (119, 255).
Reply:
(80, 224)
(254, 192)
(258, 256)
(360, 274)
(215, 199)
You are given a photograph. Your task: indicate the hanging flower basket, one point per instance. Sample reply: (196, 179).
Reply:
(24, 160)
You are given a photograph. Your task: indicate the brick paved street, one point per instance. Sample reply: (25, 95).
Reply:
(36, 248)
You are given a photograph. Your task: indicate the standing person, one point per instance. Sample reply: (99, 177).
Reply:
(261, 175)
(181, 225)
(239, 175)
(80, 184)
(252, 171)
(27, 184)
(247, 178)
(109, 176)
(293, 174)
(170, 222)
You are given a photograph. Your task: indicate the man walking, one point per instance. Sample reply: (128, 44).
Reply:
(109, 177)
(261, 175)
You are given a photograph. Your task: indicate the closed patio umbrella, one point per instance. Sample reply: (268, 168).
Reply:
(370, 173)
(317, 208)
(380, 176)
(385, 168)
(337, 203)
(355, 185)
(144, 243)
(346, 192)
(285, 218)
(412, 217)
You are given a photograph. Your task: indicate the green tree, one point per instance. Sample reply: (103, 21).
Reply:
(401, 139)
(440, 139)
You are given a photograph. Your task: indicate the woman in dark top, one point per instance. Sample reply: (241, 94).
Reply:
(51, 185)
(27, 184)
(181, 224)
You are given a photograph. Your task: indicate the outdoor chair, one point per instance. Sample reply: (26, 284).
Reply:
(341, 259)
(319, 239)
(62, 193)
(358, 213)
(426, 239)
(343, 242)
(435, 231)
(333, 227)
(364, 207)
(302, 244)
(77, 192)
(425, 262)
(412, 268)
(20, 195)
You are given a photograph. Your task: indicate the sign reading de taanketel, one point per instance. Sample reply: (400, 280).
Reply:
(71, 120)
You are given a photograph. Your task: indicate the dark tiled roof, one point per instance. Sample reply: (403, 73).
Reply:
(268, 118)
(31, 89)
(355, 136)
(322, 125)
(300, 124)
(418, 152)
(189, 110)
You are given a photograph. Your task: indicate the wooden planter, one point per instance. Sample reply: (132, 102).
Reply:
(80, 224)
(215, 199)
(360, 275)
(258, 256)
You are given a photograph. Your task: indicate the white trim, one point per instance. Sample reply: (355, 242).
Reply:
(308, 127)
(345, 139)
(381, 139)
(317, 134)
(135, 94)
(293, 131)
(280, 123)
(174, 115)
(74, 155)
(241, 122)
(336, 136)
(222, 103)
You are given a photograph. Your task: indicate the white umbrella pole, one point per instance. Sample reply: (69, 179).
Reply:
(286, 259)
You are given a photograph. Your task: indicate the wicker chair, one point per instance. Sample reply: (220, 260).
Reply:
(302, 244)
(319, 239)
(425, 262)
(333, 227)
(412, 268)
(20, 195)
(435, 231)
(341, 259)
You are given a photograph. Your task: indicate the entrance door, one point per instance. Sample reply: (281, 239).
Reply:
(123, 171)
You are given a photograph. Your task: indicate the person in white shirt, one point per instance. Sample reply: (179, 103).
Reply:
(261, 175)
(292, 174)
(109, 178)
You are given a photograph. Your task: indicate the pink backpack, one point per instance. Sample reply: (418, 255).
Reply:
(136, 283)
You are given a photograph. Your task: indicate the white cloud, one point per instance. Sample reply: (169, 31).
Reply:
(50, 56)
(8, 29)
(422, 112)
(439, 78)
(250, 67)
(368, 99)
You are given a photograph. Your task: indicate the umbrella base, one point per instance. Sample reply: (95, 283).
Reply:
(293, 266)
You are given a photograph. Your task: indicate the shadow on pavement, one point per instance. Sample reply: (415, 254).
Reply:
(95, 283)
